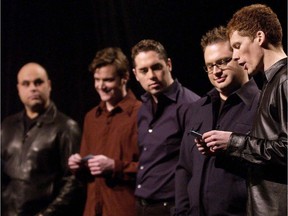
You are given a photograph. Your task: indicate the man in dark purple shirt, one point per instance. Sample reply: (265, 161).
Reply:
(160, 126)
(215, 185)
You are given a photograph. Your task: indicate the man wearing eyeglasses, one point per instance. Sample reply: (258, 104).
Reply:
(207, 184)
(256, 38)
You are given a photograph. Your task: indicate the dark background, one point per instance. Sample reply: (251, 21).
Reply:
(64, 35)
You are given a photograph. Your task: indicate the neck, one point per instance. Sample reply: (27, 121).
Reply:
(168, 84)
(223, 96)
(225, 93)
(32, 114)
(273, 55)
(110, 105)
(36, 110)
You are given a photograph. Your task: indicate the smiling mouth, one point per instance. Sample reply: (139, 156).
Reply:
(107, 90)
(154, 84)
(220, 79)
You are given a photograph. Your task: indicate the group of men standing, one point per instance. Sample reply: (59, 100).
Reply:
(142, 158)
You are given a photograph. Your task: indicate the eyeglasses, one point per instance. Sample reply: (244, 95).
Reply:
(221, 64)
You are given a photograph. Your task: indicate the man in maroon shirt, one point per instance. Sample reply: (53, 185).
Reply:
(108, 157)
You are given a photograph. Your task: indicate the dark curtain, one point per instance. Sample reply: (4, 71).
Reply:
(64, 36)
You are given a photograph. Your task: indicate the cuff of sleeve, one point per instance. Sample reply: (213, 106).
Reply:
(118, 167)
(236, 144)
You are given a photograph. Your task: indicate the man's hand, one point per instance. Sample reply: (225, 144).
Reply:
(202, 147)
(213, 141)
(217, 139)
(99, 164)
(74, 162)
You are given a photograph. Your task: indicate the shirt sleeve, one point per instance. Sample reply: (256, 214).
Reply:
(265, 151)
(182, 178)
(70, 188)
(259, 151)
(127, 167)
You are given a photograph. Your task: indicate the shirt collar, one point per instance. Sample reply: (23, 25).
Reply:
(47, 116)
(212, 95)
(246, 93)
(126, 104)
(170, 92)
(270, 72)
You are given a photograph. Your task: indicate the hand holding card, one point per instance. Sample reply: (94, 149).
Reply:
(195, 133)
(86, 158)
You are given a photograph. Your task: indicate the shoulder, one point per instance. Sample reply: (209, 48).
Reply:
(130, 104)
(277, 74)
(65, 121)
(193, 107)
(132, 107)
(283, 76)
(131, 99)
(280, 80)
(53, 113)
(188, 95)
(137, 104)
(12, 119)
(92, 111)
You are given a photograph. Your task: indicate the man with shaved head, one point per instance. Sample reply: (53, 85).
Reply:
(34, 89)
(36, 144)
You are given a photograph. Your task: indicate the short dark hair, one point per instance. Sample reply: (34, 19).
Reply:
(111, 56)
(217, 34)
(257, 17)
(148, 45)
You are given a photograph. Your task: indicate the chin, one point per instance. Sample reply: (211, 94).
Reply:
(36, 103)
(252, 72)
(155, 92)
(105, 99)
(38, 107)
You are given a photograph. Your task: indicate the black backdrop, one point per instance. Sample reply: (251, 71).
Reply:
(64, 35)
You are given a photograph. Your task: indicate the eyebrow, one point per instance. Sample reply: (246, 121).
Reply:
(143, 68)
(38, 80)
(219, 60)
(157, 64)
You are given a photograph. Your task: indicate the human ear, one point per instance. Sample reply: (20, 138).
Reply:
(260, 37)
(169, 63)
(134, 71)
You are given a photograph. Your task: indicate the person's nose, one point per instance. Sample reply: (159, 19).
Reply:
(216, 69)
(150, 74)
(32, 86)
(235, 55)
(99, 84)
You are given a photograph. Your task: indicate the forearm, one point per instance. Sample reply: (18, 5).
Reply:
(125, 170)
(69, 191)
(259, 151)
(181, 195)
